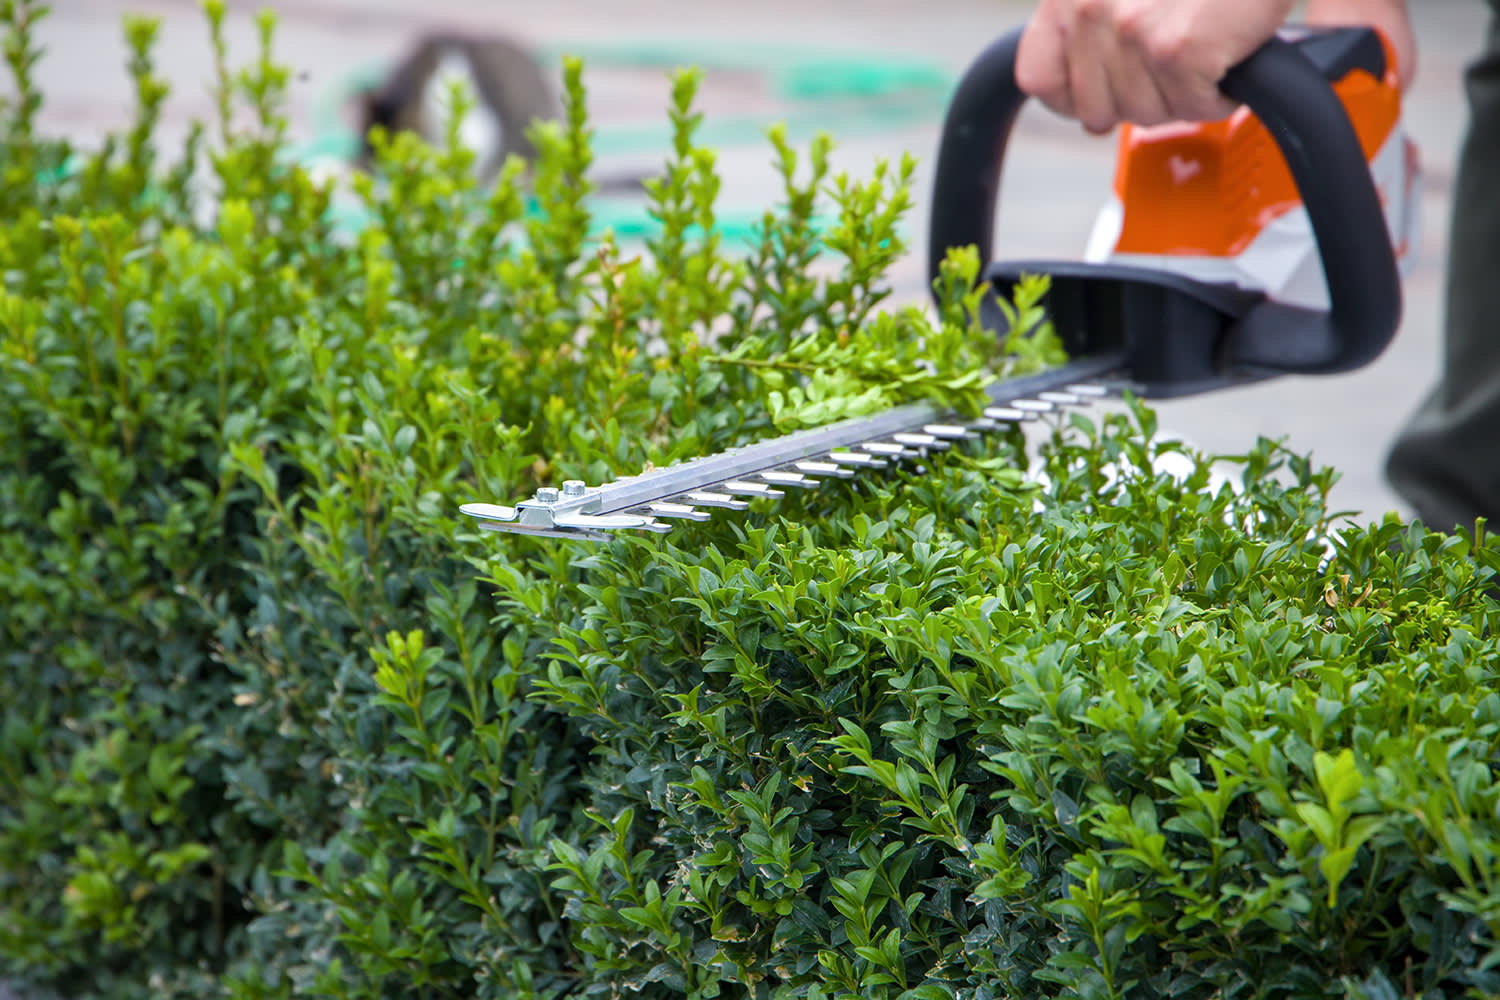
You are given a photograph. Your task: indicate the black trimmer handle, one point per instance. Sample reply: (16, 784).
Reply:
(1292, 96)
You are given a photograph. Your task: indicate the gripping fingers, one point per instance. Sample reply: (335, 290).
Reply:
(1134, 79)
(1142, 61)
(1168, 72)
(1099, 83)
(1042, 63)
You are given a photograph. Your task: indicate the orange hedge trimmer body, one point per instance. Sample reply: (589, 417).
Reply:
(1216, 201)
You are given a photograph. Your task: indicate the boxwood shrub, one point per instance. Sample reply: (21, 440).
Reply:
(1020, 722)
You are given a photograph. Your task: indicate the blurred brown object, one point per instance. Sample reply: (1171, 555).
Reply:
(510, 86)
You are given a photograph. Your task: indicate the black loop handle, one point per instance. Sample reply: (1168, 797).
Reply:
(1299, 108)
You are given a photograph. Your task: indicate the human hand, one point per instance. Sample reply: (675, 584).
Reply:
(1155, 61)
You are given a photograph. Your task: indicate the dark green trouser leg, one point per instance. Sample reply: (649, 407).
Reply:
(1446, 462)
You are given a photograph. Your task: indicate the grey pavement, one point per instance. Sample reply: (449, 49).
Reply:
(1054, 181)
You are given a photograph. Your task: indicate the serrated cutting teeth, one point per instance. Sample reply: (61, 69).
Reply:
(601, 522)
(1032, 405)
(824, 469)
(889, 450)
(750, 489)
(920, 440)
(858, 459)
(948, 432)
(1008, 414)
(788, 479)
(488, 511)
(704, 499)
(680, 511)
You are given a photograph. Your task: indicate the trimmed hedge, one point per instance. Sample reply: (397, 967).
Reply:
(275, 721)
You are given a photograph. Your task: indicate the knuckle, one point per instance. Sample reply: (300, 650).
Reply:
(1168, 45)
(1041, 71)
(1133, 23)
(1094, 12)
(1046, 83)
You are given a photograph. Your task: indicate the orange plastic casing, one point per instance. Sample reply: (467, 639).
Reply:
(1207, 189)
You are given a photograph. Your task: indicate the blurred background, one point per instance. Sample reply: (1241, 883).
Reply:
(874, 74)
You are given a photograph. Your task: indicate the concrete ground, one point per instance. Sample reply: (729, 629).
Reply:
(1055, 177)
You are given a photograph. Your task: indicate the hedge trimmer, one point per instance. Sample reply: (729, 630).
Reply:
(1231, 252)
